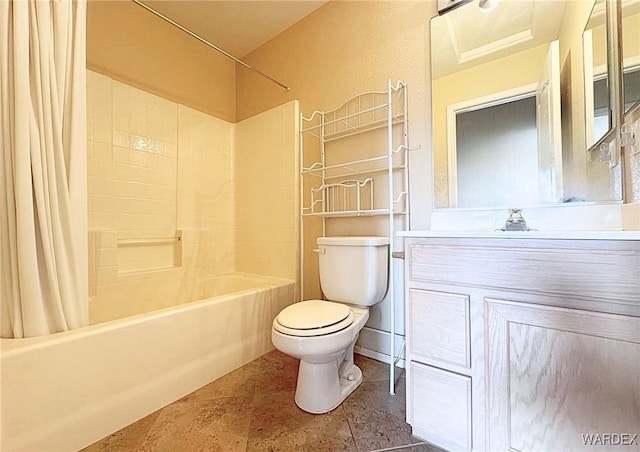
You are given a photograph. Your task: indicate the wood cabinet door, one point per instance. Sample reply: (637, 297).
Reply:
(556, 377)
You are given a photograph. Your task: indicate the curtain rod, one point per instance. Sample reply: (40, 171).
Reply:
(213, 46)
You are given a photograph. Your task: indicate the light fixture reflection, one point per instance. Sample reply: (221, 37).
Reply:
(488, 5)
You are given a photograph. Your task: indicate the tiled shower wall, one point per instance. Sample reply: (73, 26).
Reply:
(163, 200)
(267, 208)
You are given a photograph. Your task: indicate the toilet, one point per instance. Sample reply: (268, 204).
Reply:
(322, 334)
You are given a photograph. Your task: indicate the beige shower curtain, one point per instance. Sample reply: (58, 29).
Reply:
(43, 236)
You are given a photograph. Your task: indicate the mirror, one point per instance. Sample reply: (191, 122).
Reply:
(597, 102)
(631, 54)
(510, 126)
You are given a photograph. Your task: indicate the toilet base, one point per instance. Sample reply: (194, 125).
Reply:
(323, 387)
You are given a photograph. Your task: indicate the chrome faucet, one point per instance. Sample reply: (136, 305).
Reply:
(515, 222)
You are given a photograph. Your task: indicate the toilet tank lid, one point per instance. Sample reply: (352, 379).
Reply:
(354, 241)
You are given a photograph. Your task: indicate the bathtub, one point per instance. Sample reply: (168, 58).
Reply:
(68, 390)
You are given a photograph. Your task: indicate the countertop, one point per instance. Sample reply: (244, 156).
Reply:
(549, 235)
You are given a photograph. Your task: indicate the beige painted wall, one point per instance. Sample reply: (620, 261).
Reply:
(630, 41)
(340, 50)
(132, 45)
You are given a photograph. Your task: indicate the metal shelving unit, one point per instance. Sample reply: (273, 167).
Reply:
(362, 171)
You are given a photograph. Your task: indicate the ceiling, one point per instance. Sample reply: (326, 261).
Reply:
(237, 26)
(468, 36)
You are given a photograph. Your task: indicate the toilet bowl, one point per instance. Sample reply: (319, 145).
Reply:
(322, 334)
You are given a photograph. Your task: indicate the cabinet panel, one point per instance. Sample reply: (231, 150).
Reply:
(443, 414)
(439, 326)
(556, 374)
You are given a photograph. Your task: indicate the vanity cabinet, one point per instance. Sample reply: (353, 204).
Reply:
(522, 344)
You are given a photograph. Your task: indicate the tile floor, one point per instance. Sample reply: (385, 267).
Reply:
(252, 409)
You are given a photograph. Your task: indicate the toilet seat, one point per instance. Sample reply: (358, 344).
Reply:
(313, 318)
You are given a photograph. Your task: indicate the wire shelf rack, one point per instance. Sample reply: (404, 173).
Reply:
(362, 171)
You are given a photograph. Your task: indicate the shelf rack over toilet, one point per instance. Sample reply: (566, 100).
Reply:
(371, 184)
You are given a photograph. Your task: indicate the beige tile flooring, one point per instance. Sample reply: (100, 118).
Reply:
(252, 409)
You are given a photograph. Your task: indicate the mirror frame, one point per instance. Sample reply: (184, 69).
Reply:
(609, 144)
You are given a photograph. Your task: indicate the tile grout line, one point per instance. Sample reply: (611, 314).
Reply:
(400, 447)
(253, 406)
(253, 401)
(346, 416)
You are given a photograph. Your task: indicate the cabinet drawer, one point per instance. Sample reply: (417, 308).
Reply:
(439, 327)
(440, 406)
(572, 268)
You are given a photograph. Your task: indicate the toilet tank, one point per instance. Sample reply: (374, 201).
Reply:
(354, 270)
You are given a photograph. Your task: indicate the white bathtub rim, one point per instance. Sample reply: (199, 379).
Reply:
(10, 346)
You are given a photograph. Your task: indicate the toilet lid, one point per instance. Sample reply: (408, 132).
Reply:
(313, 318)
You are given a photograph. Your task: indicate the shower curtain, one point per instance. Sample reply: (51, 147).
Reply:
(43, 176)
